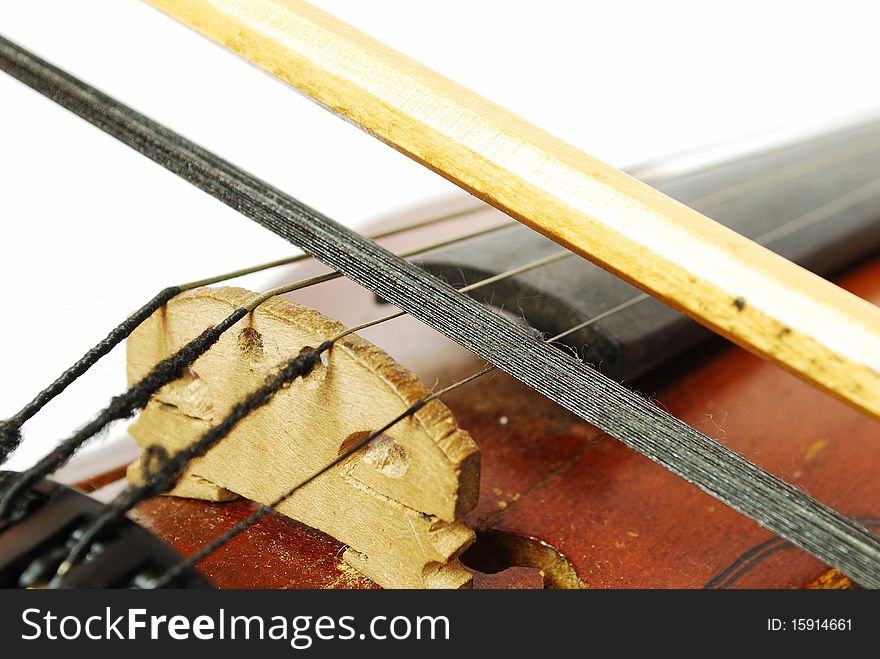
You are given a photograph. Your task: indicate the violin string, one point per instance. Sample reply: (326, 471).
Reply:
(830, 209)
(388, 233)
(333, 275)
(120, 407)
(166, 477)
(10, 428)
(797, 170)
(170, 369)
(639, 424)
(761, 552)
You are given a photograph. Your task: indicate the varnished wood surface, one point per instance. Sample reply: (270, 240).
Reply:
(558, 495)
(725, 281)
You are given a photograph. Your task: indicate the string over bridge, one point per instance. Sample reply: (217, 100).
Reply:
(397, 504)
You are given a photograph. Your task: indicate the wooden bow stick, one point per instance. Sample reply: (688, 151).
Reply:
(741, 290)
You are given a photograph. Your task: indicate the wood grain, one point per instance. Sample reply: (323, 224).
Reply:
(397, 505)
(743, 291)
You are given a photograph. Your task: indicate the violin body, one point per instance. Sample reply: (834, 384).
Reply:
(561, 504)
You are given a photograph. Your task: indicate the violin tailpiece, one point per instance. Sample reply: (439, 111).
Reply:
(397, 504)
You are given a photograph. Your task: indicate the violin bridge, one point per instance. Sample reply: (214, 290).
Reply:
(397, 504)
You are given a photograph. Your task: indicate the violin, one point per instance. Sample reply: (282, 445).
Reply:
(552, 500)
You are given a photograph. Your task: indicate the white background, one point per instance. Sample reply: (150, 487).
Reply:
(90, 229)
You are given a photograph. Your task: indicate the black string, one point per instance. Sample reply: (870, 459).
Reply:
(153, 458)
(120, 407)
(10, 429)
(166, 476)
